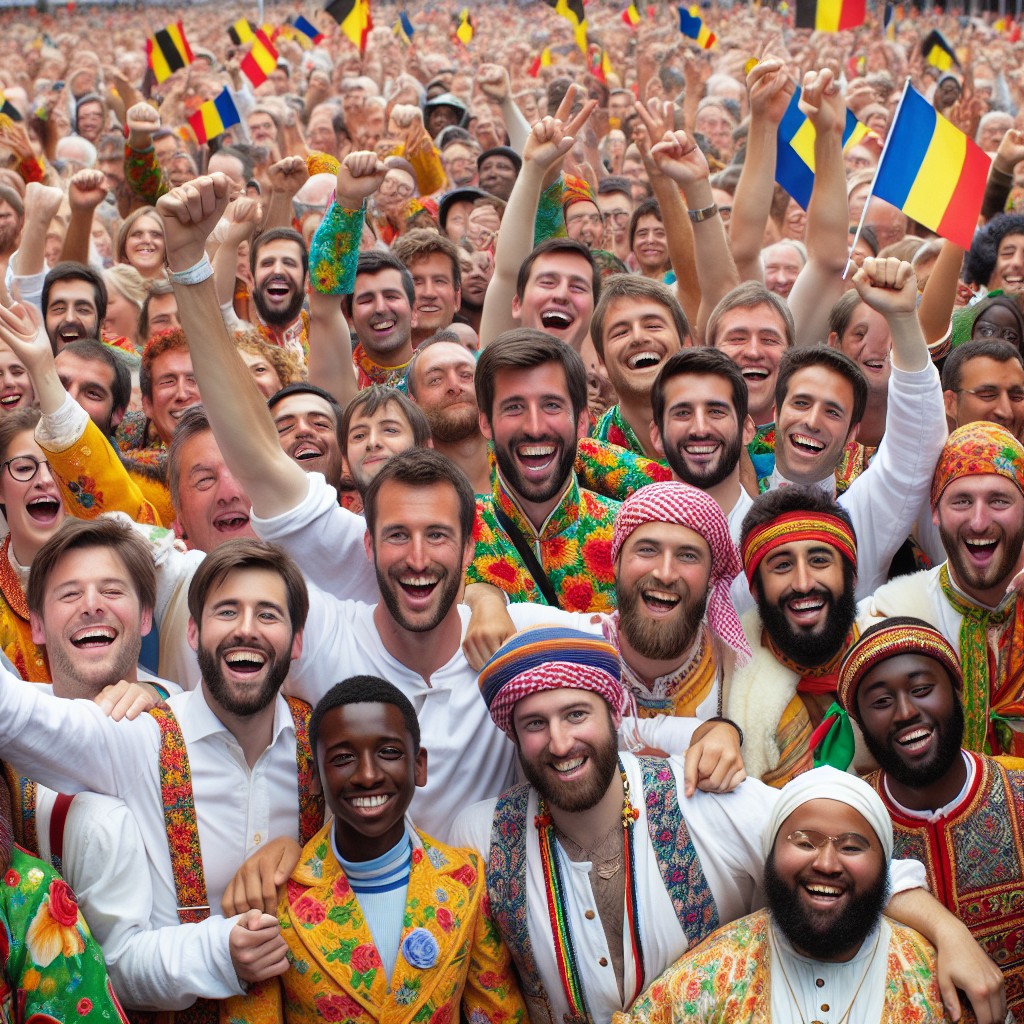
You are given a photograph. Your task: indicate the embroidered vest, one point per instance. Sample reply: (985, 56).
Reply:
(677, 859)
(187, 857)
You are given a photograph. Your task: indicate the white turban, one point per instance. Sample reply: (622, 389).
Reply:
(828, 783)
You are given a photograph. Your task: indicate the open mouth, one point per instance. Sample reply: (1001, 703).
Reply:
(304, 452)
(278, 288)
(569, 766)
(231, 522)
(981, 550)
(807, 609)
(11, 400)
(555, 320)
(428, 310)
(823, 895)
(245, 661)
(875, 365)
(383, 325)
(643, 361)
(369, 803)
(754, 375)
(536, 457)
(419, 587)
(92, 637)
(659, 601)
(807, 445)
(914, 740)
(43, 510)
(701, 451)
(69, 333)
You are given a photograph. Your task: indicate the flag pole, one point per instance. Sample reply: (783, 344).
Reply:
(878, 167)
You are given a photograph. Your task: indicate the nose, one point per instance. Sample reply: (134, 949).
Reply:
(1001, 411)
(826, 859)
(904, 709)
(803, 581)
(229, 491)
(560, 738)
(979, 517)
(662, 570)
(367, 772)
(700, 422)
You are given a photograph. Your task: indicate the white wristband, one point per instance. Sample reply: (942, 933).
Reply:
(201, 271)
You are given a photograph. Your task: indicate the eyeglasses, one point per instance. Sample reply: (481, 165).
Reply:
(849, 844)
(619, 216)
(1010, 334)
(584, 218)
(992, 394)
(23, 467)
(393, 188)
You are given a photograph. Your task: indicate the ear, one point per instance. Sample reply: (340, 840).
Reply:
(517, 308)
(583, 424)
(179, 529)
(192, 633)
(115, 418)
(368, 545)
(458, 299)
(145, 621)
(468, 553)
(38, 633)
(315, 784)
(420, 770)
(485, 427)
(950, 402)
(852, 435)
(147, 407)
(296, 646)
(656, 441)
(749, 430)
(414, 320)
(833, 340)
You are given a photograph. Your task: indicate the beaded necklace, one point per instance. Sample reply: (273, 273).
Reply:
(565, 953)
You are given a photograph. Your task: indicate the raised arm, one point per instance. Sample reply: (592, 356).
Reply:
(287, 176)
(820, 283)
(678, 157)
(549, 141)
(239, 416)
(770, 89)
(86, 190)
(936, 307)
(889, 287)
(243, 216)
(494, 83)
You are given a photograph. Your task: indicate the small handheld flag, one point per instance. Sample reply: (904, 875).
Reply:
(830, 15)
(8, 109)
(308, 29)
(932, 171)
(631, 16)
(938, 52)
(214, 117)
(465, 28)
(573, 12)
(403, 28)
(243, 31)
(692, 25)
(261, 60)
(354, 18)
(542, 60)
(168, 51)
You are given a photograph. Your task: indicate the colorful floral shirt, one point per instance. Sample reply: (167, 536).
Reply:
(53, 969)
(451, 962)
(762, 454)
(143, 174)
(727, 980)
(15, 629)
(615, 472)
(612, 427)
(334, 251)
(574, 547)
(371, 373)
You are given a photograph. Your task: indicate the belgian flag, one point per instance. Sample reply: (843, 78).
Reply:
(464, 27)
(242, 32)
(572, 11)
(168, 51)
(938, 52)
(354, 18)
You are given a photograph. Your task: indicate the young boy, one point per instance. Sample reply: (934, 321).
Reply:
(382, 922)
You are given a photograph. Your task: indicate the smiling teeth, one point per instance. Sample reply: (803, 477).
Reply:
(643, 360)
(369, 801)
(915, 737)
(807, 604)
(568, 766)
(824, 890)
(981, 543)
(699, 449)
(383, 325)
(245, 658)
(98, 633)
(419, 581)
(536, 450)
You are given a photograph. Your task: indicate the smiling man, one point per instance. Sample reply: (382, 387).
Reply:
(433, 262)
(978, 506)
(74, 303)
(414, 910)
(822, 946)
(279, 265)
(638, 325)
(902, 684)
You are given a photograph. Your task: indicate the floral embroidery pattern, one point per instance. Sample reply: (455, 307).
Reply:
(612, 470)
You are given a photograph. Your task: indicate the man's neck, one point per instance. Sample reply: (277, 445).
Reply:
(636, 411)
(939, 793)
(825, 482)
(82, 689)
(991, 597)
(650, 669)
(537, 513)
(386, 360)
(470, 456)
(253, 732)
(726, 493)
(422, 651)
(587, 828)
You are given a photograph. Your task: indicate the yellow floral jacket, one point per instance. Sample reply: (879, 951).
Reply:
(450, 957)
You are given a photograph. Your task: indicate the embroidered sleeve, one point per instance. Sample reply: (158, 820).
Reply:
(550, 221)
(492, 992)
(615, 472)
(334, 251)
(53, 966)
(93, 480)
(426, 162)
(143, 175)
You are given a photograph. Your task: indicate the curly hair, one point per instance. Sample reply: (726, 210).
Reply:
(984, 252)
(287, 364)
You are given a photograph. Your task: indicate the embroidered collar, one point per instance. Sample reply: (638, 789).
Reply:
(665, 687)
(11, 585)
(973, 763)
(563, 516)
(374, 373)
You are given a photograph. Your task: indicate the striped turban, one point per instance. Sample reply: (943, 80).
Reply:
(977, 449)
(550, 658)
(683, 505)
(820, 526)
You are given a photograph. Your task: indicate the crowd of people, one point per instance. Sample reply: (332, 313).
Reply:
(476, 548)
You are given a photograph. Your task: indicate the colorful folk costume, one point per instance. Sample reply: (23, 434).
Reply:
(777, 703)
(749, 973)
(693, 688)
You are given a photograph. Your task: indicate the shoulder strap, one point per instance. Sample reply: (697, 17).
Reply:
(58, 820)
(311, 803)
(507, 887)
(526, 553)
(180, 820)
(677, 859)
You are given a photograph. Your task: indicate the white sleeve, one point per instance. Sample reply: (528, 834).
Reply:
(472, 828)
(907, 874)
(327, 542)
(231, 319)
(29, 288)
(886, 499)
(58, 431)
(665, 732)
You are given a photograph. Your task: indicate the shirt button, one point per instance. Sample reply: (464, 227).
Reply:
(824, 1007)
(820, 982)
(603, 961)
(590, 915)
(257, 839)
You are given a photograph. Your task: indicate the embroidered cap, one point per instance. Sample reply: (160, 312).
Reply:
(790, 526)
(683, 505)
(888, 639)
(976, 449)
(549, 658)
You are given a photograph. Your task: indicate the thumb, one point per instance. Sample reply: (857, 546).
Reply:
(252, 920)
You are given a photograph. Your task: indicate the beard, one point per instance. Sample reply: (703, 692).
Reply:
(9, 236)
(969, 575)
(540, 491)
(447, 591)
(665, 639)
(74, 679)
(918, 776)
(576, 797)
(711, 475)
(819, 934)
(811, 649)
(451, 425)
(243, 704)
(277, 317)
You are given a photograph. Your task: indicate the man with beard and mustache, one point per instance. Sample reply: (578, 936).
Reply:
(540, 537)
(800, 560)
(902, 684)
(973, 598)
(600, 853)
(73, 302)
(12, 220)
(822, 948)
(638, 324)
(676, 630)
(279, 264)
(234, 749)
